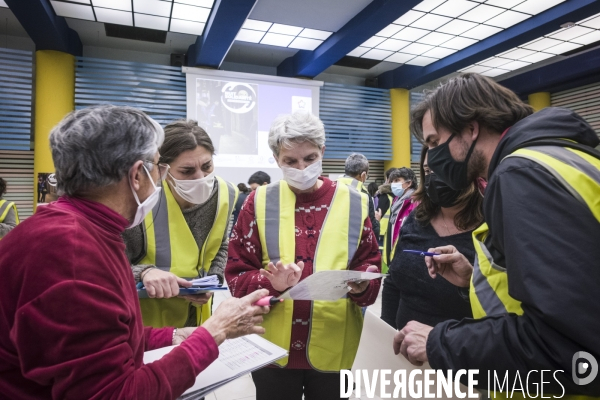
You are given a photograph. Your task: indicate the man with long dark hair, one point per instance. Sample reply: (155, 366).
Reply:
(535, 279)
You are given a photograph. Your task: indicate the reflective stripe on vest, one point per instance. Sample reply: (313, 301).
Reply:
(171, 246)
(579, 173)
(5, 206)
(385, 219)
(335, 326)
(356, 184)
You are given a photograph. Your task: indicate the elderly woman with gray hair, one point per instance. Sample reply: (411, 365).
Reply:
(70, 322)
(287, 231)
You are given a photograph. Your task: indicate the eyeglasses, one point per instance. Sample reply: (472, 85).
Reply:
(163, 169)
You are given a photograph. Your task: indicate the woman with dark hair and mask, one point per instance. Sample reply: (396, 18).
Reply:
(443, 217)
(185, 235)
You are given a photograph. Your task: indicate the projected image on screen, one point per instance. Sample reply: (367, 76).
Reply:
(229, 113)
(237, 116)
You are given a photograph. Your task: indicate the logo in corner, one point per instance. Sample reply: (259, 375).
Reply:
(584, 368)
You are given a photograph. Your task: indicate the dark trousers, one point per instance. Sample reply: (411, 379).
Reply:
(290, 384)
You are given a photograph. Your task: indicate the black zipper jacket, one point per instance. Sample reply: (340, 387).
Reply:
(549, 244)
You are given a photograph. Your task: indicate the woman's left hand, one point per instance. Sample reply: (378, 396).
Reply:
(198, 299)
(360, 286)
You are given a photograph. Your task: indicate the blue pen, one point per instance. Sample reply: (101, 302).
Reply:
(422, 253)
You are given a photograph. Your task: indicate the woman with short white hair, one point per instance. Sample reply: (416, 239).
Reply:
(287, 231)
(70, 321)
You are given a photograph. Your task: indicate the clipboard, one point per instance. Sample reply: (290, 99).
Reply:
(143, 294)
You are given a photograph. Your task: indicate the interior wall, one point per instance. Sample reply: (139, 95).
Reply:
(17, 43)
(126, 55)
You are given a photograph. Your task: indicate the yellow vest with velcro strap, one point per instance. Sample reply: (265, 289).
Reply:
(335, 326)
(171, 247)
(5, 207)
(579, 173)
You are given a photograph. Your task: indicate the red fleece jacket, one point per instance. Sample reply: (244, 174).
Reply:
(70, 320)
(245, 260)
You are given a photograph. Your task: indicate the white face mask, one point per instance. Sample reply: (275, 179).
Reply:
(305, 178)
(195, 191)
(148, 204)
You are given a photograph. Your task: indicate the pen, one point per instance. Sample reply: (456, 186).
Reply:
(422, 253)
(267, 301)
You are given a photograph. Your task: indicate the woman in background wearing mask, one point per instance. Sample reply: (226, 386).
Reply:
(403, 184)
(443, 217)
(287, 231)
(185, 235)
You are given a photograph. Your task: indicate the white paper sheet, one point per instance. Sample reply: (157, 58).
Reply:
(237, 357)
(375, 351)
(327, 285)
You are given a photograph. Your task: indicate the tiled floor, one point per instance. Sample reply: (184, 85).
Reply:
(243, 388)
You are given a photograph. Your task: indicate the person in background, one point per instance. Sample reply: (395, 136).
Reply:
(70, 322)
(536, 279)
(403, 183)
(372, 190)
(384, 198)
(356, 172)
(44, 190)
(257, 179)
(244, 190)
(9, 217)
(443, 216)
(314, 231)
(186, 234)
(39, 188)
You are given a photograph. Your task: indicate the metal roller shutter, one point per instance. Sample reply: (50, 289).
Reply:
(16, 167)
(584, 100)
(357, 119)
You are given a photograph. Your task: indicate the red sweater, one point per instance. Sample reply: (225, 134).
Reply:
(70, 321)
(245, 260)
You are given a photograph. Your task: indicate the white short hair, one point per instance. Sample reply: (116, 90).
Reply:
(298, 127)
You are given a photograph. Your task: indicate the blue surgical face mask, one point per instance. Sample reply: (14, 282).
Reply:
(397, 189)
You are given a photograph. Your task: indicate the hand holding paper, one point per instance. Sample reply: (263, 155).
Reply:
(283, 276)
(162, 284)
(360, 286)
(411, 341)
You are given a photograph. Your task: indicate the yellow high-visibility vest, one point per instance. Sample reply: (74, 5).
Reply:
(385, 218)
(356, 184)
(5, 206)
(579, 173)
(385, 261)
(171, 247)
(335, 326)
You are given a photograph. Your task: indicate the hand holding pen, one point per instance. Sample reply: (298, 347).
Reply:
(450, 264)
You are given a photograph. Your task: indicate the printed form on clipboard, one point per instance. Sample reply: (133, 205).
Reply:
(237, 357)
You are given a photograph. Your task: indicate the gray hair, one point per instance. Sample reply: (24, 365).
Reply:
(356, 164)
(96, 146)
(298, 127)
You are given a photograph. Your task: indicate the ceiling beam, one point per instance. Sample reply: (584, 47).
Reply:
(373, 18)
(409, 76)
(223, 25)
(47, 30)
(578, 70)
